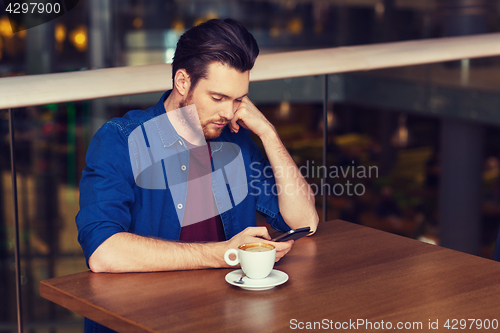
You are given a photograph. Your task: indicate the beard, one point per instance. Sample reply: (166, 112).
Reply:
(208, 133)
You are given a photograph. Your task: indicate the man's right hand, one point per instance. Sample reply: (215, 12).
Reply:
(127, 252)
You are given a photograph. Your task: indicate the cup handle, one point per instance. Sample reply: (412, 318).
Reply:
(229, 261)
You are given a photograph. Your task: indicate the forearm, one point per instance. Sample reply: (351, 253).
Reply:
(296, 199)
(127, 252)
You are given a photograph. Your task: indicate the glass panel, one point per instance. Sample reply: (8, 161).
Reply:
(401, 121)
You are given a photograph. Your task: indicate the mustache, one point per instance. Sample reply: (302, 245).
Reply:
(221, 120)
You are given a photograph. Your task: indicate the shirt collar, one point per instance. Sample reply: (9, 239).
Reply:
(169, 136)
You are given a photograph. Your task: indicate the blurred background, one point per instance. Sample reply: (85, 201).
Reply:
(423, 134)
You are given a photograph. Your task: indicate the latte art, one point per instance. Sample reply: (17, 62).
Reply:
(258, 249)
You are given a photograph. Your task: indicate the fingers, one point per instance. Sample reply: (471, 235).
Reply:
(251, 235)
(282, 246)
(236, 122)
(282, 249)
(257, 232)
(244, 111)
(233, 125)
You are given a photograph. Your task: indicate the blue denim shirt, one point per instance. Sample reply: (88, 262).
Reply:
(111, 201)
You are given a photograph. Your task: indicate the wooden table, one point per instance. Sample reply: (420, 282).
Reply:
(344, 275)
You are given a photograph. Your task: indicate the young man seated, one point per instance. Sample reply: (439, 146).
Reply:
(175, 186)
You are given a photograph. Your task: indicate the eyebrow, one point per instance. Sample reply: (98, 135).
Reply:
(225, 96)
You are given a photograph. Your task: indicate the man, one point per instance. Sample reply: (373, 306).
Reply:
(130, 223)
(175, 186)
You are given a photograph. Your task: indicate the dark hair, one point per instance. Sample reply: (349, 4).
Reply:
(226, 41)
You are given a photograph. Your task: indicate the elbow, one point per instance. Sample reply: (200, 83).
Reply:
(106, 257)
(97, 264)
(102, 260)
(313, 217)
(314, 223)
(305, 219)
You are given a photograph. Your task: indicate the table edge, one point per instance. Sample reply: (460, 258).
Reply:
(71, 303)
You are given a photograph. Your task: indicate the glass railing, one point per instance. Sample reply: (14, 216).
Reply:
(368, 97)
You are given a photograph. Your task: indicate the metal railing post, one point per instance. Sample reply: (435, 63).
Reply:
(16, 223)
(325, 147)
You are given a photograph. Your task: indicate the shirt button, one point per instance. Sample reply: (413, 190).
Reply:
(179, 206)
(183, 168)
(180, 142)
(165, 146)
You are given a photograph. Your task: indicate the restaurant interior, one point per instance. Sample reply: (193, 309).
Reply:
(391, 133)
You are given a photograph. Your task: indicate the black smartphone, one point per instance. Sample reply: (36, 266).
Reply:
(292, 234)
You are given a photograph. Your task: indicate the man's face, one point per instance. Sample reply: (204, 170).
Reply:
(218, 97)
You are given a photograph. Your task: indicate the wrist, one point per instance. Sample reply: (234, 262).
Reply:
(218, 251)
(269, 134)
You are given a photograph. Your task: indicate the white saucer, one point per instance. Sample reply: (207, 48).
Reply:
(274, 279)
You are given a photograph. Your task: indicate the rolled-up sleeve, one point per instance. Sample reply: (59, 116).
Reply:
(106, 189)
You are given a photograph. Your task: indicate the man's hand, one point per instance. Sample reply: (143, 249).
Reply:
(259, 235)
(248, 116)
(127, 252)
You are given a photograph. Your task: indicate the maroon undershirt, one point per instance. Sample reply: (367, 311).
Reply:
(211, 229)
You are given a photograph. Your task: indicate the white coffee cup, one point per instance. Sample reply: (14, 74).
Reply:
(256, 259)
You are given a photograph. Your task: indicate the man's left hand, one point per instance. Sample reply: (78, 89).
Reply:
(248, 116)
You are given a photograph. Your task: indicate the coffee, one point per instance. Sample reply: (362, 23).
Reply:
(256, 247)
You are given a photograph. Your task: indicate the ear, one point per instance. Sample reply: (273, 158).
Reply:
(182, 82)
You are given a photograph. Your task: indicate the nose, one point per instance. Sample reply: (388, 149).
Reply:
(227, 112)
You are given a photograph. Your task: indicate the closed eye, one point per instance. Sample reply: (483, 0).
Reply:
(216, 99)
